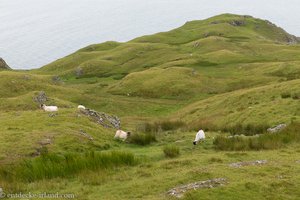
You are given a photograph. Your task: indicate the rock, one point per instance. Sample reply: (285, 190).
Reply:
(107, 121)
(82, 132)
(196, 44)
(237, 23)
(78, 72)
(180, 190)
(45, 142)
(56, 79)
(276, 128)
(2, 195)
(249, 163)
(41, 98)
(3, 64)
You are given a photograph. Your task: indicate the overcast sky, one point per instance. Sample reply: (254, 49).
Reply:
(36, 32)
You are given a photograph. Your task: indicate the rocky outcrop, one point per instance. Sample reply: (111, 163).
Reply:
(276, 128)
(179, 191)
(107, 121)
(3, 64)
(41, 97)
(237, 23)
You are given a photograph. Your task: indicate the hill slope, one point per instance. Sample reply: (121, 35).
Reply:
(3, 64)
(223, 71)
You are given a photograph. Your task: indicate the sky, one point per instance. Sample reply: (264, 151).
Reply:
(34, 33)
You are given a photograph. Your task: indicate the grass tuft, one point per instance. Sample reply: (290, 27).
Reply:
(171, 151)
(142, 138)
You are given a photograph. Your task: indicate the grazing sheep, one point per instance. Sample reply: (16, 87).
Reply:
(49, 108)
(81, 107)
(122, 135)
(199, 136)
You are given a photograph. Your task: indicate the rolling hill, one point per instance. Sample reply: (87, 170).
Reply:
(224, 71)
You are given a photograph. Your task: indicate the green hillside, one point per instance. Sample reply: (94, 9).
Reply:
(216, 74)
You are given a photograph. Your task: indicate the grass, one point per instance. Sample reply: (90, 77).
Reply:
(208, 74)
(142, 139)
(51, 165)
(262, 142)
(159, 126)
(248, 130)
(171, 151)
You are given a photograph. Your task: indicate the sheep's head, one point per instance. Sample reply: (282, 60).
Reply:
(194, 142)
(128, 134)
(42, 106)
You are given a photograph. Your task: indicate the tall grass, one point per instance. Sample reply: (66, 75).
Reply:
(142, 138)
(171, 151)
(248, 129)
(265, 141)
(54, 165)
(204, 124)
(159, 126)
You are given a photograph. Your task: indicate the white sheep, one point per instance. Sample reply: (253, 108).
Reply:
(122, 135)
(199, 136)
(49, 108)
(81, 107)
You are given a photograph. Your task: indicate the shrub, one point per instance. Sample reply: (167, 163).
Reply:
(171, 151)
(52, 165)
(285, 95)
(142, 138)
(264, 141)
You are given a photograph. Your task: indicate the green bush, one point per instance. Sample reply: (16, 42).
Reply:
(142, 138)
(171, 151)
(264, 141)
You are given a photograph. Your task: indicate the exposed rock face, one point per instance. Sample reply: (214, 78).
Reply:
(276, 128)
(237, 22)
(3, 64)
(179, 191)
(107, 121)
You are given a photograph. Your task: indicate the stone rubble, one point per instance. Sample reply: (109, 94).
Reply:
(41, 98)
(248, 163)
(276, 128)
(107, 121)
(180, 190)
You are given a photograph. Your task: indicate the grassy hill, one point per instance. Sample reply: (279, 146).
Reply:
(223, 72)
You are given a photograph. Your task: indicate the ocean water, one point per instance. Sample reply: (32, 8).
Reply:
(36, 32)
